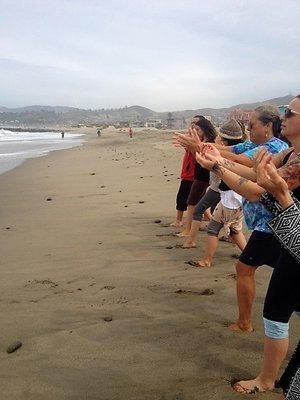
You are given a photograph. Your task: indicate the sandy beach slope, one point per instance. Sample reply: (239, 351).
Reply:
(93, 251)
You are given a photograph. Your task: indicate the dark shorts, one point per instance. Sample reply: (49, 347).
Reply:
(197, 191)
(261, 249)
(183, 194)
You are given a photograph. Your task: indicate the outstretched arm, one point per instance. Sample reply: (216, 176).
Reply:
(243, 186)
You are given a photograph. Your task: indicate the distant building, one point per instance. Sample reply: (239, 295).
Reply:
(153, 123)
(136, 124)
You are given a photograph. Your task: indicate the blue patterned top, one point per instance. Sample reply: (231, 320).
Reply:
(256, 215)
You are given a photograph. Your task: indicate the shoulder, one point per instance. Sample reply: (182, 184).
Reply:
(276, 145)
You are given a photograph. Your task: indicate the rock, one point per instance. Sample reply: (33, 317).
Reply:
(49, 199)
(8, 227)
(108, 287)
(207, 292)
(107, 318)
(141, 202)
(102, 186)
(157, 221)
(169, 247)
(14, 346)
(99, 242)
(125, 206)
(93, 173)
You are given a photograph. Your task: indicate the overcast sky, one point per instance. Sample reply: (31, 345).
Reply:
(162, 54)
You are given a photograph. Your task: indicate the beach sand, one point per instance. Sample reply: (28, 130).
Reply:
(92, 250)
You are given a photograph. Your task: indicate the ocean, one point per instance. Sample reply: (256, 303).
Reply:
(16, 147)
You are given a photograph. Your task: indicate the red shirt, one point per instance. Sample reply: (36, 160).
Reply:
(188, 166)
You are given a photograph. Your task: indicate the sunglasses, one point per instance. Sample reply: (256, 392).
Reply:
(288, 113)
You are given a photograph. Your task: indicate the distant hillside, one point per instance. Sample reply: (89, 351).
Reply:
(38, 115)
(276, 102)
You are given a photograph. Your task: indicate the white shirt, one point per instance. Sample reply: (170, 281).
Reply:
(231, 199)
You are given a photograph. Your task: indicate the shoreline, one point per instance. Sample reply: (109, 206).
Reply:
(94, 251)
(13, 163)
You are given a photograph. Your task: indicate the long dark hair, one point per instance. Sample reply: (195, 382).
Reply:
(209, 131)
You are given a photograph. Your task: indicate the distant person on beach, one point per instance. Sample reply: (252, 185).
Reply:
(130, 132)
(98, 133)
(62, 134)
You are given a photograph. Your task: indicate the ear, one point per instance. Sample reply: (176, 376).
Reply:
(269, 125)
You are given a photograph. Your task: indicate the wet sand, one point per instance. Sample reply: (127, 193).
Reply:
(103, 309)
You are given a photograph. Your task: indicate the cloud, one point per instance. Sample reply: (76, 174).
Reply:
(165, 55)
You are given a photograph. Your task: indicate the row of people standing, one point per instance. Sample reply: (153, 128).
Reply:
(237, 167)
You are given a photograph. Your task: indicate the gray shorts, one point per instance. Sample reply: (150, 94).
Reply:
(209, 200)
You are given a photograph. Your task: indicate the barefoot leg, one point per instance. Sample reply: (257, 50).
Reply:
(191, 240)
(239, 239)
(189, 219)
(210, 249)
(178, 221)
(274, 353)
(245, 296)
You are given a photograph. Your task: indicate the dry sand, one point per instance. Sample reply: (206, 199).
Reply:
(94, 251)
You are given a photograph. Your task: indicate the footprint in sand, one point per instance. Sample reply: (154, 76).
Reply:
(205, 292)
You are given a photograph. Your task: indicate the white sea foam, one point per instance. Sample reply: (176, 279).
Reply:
(16, 147)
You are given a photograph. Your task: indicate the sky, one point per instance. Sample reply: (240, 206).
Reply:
(161, 54)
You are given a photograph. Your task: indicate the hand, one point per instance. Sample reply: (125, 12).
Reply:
(211, 149)
(269, 178)
(189, 143)
(206, 160)
(258, 158)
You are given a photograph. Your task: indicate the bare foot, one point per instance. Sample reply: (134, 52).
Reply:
(189, 244)
(203, 264)
(176, 223)
(253, 386)
(183, 234)
(240, 328)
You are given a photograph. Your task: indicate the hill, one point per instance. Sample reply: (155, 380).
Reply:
(38, 115)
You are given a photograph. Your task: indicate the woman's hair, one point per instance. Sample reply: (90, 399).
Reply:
(209, 132)
(267, 114)
(232, 142)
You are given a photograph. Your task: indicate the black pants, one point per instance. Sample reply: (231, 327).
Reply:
(283, 295)
(183, 194)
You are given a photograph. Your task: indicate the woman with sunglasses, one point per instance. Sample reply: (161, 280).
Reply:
(278, 309)
(265, 130)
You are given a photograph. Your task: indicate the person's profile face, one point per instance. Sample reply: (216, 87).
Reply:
(256, 129)
(291, 125)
